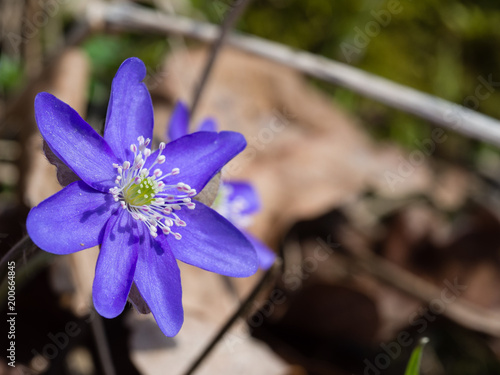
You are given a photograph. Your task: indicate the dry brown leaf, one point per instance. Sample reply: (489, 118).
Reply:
(207, 305)
(304, 154)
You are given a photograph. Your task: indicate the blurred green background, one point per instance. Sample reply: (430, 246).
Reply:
(437, 47)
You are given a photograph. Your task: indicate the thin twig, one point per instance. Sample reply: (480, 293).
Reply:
(462, 311)
(24, 244)
(439, 111)
(459, 310)
(102, 345)
(233, 16)
(80, 31)
(242, 311)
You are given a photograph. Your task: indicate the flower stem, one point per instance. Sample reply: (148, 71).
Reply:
(244, 308)
(24, 246)
(102, 345)
(228, 23)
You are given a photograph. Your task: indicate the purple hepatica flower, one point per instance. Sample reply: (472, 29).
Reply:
(236, 201)
(137, 203)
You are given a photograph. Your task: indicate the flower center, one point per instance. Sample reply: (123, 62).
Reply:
(143, 193)
(146, 196)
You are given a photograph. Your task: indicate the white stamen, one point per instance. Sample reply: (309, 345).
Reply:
(143, 191)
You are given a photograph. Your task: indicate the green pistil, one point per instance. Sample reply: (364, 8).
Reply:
(141, 194)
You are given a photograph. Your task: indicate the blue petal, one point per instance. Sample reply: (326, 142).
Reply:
(199, 156)
(207, 125)
(211, 242)
(246, 192)
(71, 220)
(266, 255)
(179, 122)
(158, 279)
(75, 142)
(115, 267)
(130, 111)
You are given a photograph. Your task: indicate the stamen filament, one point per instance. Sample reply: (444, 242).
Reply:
(146, 196)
